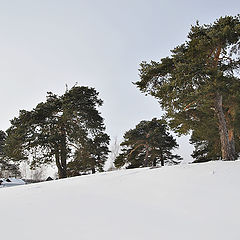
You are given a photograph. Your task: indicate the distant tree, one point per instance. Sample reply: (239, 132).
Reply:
(114, 152)
(56, 128)
(148, 144)
(3, 137)
(202, 75)
(38, 174)
(7, 167)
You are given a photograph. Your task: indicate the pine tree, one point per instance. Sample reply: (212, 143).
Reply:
(7, 167)
(199, 77)
(56, 128)
(148, 144)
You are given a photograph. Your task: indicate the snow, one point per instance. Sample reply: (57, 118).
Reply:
(10, 182)
(186, 202)
(16, 180)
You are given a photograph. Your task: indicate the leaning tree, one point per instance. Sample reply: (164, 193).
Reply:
(57, 128)
(200, 76)
(148, 144)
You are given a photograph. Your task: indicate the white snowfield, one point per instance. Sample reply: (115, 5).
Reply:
(187, 202)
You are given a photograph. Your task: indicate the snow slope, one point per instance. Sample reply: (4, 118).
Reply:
(187, 202)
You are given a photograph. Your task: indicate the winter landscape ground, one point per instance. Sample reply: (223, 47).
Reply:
(194, 201)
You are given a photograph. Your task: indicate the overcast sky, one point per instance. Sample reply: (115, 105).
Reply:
(46, 44)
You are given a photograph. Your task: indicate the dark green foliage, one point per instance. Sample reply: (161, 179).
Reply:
(57, 128)
(3, 137)
(198, 86)
(148, 144)
(91, 157)
(205, 137)
(7, 167)
(206, 150)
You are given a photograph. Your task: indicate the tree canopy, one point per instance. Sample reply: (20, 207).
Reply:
(201, 78)
(148, 144)
(59, 128)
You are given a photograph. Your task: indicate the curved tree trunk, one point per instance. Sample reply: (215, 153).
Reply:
(227, 143)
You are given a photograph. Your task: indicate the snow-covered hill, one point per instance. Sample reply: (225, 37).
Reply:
(187, 202)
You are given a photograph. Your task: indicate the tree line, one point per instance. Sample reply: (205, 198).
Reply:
(197, 86)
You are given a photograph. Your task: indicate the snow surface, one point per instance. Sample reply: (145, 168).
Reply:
(11, 182)
(186, 202)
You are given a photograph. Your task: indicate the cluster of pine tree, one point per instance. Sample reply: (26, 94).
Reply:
(197, 87)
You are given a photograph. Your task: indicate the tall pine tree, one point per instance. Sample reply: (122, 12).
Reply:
(200, 76)
(55, 129)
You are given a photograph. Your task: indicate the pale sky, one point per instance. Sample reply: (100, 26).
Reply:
(46, 44)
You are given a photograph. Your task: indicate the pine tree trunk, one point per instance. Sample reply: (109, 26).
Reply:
(227, 148)
(61, 164)
(162, 160)
(154, 162)
(62, 173)
(146, 158)
(64, 158)
(57, 159)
